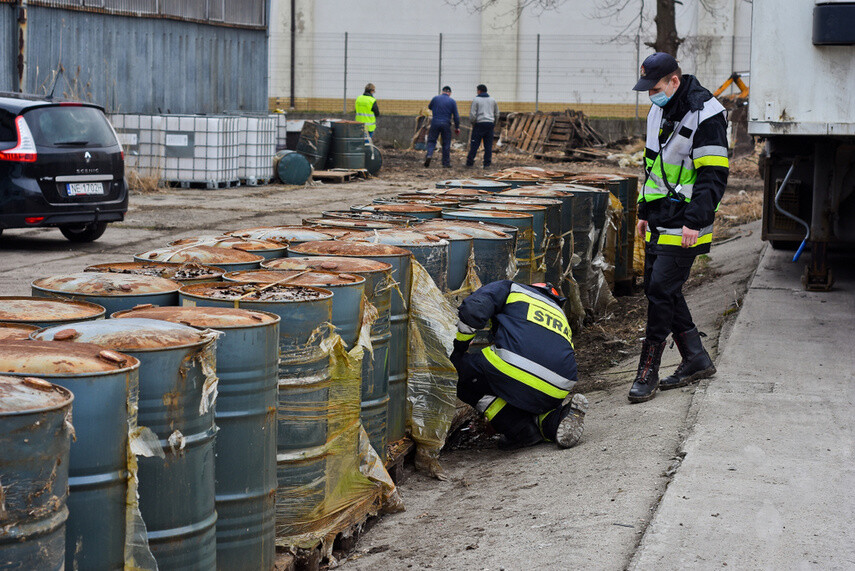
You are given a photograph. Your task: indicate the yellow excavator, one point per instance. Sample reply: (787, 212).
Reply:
(737, 113)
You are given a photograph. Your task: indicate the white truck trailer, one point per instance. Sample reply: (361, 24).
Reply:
(802, 103)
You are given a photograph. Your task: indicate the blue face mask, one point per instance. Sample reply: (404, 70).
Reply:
(660, 99)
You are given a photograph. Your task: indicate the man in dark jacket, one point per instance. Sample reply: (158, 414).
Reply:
(686, 168)
(520, 382)
(483, 114)
(444, 110)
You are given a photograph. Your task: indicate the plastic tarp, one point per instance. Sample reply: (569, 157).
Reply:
(600, 293)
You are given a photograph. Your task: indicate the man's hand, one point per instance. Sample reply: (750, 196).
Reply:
(641, 228)
(690, 237)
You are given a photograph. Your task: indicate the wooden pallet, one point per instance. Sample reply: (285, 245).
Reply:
(340, 175)
(396, 454)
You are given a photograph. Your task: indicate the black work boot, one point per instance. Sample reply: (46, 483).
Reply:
(529, 435)
(572, 422)
(427, 162)
(647, 378)
(696, 363)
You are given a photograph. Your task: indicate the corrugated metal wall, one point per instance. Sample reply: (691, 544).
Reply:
(8, 45)
(139, 65)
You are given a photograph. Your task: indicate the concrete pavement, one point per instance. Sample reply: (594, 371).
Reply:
(768, 474)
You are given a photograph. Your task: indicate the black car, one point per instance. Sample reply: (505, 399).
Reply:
(60, 165)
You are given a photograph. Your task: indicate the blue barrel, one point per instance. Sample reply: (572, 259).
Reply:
(102, 382)
(114, 292)
(399, 220)
(373, 159)
(34, 438)
(493, 248)
(289, 235)
(45, 312)
(226, 258)
(430, 251)
(176, 493)
(399, 259)
(375, 367)
(459, 251)
(420, 211)
(486, 185)
(314, 143)
(348, 145)
(245, 448)
(267, 249)
(291, 167)
(182, 273)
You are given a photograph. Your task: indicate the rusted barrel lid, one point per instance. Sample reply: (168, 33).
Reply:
(336, 232)
(316, 278)
(589, 177)
(474, 183)
(488, 214)
(349, 223)
(234, 242)
(523, 200)
(23, 395)
(527, 174)
(25, 309)
(576, 187)
(200, 254)
(349, 248)
(126, 334)
(257, 292)
(403, 207)
(61, 358)
(329, 264)
(16, 331)
(474, 229)
(106, 284)
(402, 238)
(445, 233)
(412, 197)
(174, 271)
(202, 317)
(452, 191)
(507, 206)
(535, 192)
(281, 234)
(396, 219)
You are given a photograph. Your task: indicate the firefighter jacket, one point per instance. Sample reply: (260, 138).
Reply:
(366, 111)
(532, 342)
(686, 169)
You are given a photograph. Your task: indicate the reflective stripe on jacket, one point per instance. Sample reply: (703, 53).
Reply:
(364, 107)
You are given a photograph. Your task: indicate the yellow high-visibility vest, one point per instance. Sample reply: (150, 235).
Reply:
(364, 106)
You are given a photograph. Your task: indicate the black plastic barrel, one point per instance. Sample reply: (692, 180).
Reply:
(373, 159)
(314, 143)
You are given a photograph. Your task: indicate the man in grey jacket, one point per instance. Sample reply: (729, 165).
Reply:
(483, 114)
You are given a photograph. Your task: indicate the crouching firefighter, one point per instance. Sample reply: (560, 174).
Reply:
(521, 381)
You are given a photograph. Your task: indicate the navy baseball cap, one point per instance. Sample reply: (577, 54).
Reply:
(655, 67)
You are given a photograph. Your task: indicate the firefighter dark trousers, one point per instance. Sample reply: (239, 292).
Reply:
(667, 311)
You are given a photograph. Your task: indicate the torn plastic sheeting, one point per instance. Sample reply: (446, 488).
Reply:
(601, 297)
(470, 283)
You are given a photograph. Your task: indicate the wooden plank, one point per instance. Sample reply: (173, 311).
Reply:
(545, 133)
(536, 133)
(333, 176)
(525, 132)
(530, 132)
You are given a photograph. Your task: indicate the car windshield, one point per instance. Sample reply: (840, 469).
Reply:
(70, 126)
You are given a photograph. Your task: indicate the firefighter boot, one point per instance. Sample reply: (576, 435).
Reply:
(647, 378)
(527, 435)
(572, 422)
(696, 363)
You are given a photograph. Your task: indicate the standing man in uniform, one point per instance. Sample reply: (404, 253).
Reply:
(444, 110)
(483, 115)
(686, 168)
(520, 382)
(367, 110)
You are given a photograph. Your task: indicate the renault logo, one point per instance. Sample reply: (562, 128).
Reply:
(87, 156)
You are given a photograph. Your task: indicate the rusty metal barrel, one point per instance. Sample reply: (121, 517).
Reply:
(45, 312)
(35, 432)
(304, 383)
(114, 292)
(399, 259)
(459, 252)
(16, 331)
(414, 198)
(336, 232)
(267, 249)
(324, 224)
(486, 185)
(176, 487)
(187, 273)
(420, 211)
(462, 195)
(493, 249)
(289, 235)
(245, 447)
(430, 251)
(229, 259)
(375, 366)
(103, 383)
(399, 220)
(314, 142)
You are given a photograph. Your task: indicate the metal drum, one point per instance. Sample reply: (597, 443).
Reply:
(45, 312)
(182, 273)
(288, 235)
(399, 220)
(314, 143)
(474, 184)
(589, 206)
(525, 237)
(325, 224)
(114, 292)
(493, 248)
(245, 447)
(304, 383)
(375, 367)
(347, 293)
(373, 159)
(399, 259)
(459, 251)
(415, 198)
(462, 195)
(430, 251)
(348, 145)
(16, 331)
(420, 211)
(34, 437)
(290, 167)
(226, 258)
(176, 493)
(102, 382)
(336, 233)
(265, 248)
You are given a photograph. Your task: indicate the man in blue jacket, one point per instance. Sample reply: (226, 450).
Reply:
(444, 110)
(522, 381)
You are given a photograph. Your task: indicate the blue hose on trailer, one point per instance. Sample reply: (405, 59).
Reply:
(792, 216)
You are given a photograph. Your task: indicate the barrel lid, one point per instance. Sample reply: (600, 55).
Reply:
(414, 198)
(488, 213)
(329, 264)
(444, 233)
(23, 309)
(30, 394)
(596, 177)
(135, 334)
(349, 248)
(548, 192)
(505, 206)
(234, 242)
(106, 284)
(336, 233)
(350, 223)
(477, 183)
(281, 234)
(200, 254)
(398, 219)
(257, 292)
(401, 238)
(201, 316)
(576, 187)
(61, 358)
(170, 270)
(474, 229)
(453, 191)
(524, 200)
(404, 207)
(318, 278)
(16, 331)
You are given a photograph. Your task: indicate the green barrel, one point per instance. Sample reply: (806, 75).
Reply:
(348, 145)
(493, 248)
(182, 273)
(314, 143)
(46, 311)
(176, 491)
(419, 211)
(114, 292)
(97, 471)
(292, 167)
(229, 259)
(267, 249)
(373, 159)
(34, 436)
(245, 448)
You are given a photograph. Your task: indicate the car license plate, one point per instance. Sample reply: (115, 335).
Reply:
(85, 188)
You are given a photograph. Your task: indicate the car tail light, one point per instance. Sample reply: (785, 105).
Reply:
(34, 219)
(25, 150)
